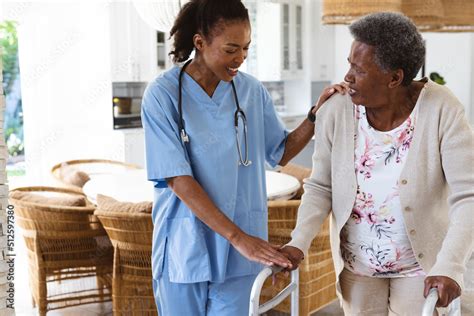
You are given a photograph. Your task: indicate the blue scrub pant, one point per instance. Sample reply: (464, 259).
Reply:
(229, 298)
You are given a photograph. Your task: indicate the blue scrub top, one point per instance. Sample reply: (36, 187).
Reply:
(194, 252)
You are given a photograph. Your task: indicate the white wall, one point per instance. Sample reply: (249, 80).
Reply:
(342, 46)
(450, 54)
(66, 86)
(472, 80)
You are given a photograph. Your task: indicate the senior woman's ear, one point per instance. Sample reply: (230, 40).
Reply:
(396, 78)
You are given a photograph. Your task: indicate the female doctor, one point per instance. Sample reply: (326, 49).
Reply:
(209, 129)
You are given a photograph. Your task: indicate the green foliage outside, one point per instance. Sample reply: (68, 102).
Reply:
(436, 77)
(14, 114)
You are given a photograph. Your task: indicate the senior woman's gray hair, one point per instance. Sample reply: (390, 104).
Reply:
(397, 42)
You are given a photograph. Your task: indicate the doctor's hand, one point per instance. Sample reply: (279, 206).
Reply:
(258, 250)
(448, 289)
(342, 88)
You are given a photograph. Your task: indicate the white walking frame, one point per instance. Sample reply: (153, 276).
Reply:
(256, 309)
(454, 309)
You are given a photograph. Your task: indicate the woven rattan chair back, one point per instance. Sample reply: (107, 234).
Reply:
(131, 235)
(69, 253)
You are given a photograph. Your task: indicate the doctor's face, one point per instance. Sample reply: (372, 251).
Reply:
(226, 49)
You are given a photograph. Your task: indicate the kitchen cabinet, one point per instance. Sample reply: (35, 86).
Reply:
(138, 52)
(278, 40)
(292, 120)
(321, 44)
(127, 145)
(134, 146)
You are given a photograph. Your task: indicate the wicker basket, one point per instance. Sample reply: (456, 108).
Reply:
(65, 244)
(427, 14)
(316, 272)
(458, 16)
(131, 236)
(91, 167)
(346, 11)
(299, 173)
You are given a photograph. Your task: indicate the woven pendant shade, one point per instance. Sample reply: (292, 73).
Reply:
(458, 16)
(427, 14)
(346, 11)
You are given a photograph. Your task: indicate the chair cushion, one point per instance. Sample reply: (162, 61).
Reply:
(62, 200)
(73, 176)
(108, 204)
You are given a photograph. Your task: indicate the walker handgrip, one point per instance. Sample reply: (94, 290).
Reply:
(454, 309)
(256, 309)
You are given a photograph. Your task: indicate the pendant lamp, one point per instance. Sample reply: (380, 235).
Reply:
(159, 14)
(427, 14)
(458, 16)
(347, 11)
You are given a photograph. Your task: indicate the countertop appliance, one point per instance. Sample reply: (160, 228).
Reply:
(126, 104)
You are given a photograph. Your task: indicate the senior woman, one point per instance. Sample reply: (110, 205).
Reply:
(393, 166)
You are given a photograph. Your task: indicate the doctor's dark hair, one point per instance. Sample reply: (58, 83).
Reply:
(202, 16)
(397, 42)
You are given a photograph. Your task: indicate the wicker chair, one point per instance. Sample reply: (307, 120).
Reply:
(317, 279)
(299, 173)
(74, 173)
(131, 236)
(69, 253)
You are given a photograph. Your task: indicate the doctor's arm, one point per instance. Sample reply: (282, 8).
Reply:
(300, 136)
(193, 195)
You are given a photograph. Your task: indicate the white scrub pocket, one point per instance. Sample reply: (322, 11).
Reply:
(187, 253)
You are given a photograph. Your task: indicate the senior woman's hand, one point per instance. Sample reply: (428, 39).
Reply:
(448, 289)
(341, 88)
(295, 255)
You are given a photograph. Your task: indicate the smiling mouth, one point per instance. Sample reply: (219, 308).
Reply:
(232, 71)
(352, 92)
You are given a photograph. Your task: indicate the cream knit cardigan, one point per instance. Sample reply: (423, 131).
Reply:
(436, 183)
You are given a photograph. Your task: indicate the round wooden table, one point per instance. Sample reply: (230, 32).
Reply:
(133, 186)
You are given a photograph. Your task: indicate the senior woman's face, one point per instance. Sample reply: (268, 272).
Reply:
(368, 83)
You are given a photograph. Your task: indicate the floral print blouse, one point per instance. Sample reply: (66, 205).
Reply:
(374, 241)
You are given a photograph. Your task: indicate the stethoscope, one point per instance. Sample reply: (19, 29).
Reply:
(238, 113)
